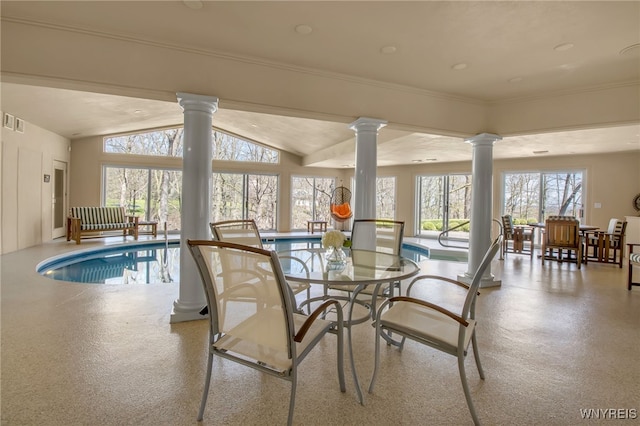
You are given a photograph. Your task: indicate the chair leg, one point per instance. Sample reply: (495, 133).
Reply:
(207, 382)
(376, 363)
(340, 355)
(476, 355)
(292, 399)
(465, 387)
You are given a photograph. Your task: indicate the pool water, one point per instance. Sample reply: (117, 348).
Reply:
(155, 262)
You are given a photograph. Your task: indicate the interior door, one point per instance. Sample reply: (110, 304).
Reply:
(59, 198)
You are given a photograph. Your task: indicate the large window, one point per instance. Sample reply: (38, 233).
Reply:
(151, 194)
(232, 148)
(246, 196)
(310, 199)
(444, 202)
(385, 197)
(154, 194)
(168, 142)
(534, 196)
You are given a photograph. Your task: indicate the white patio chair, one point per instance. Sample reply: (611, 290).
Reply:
(246, 232)
(433, 325)
(380, 235)
(252, 319)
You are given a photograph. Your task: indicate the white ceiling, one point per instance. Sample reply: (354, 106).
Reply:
(511, 50)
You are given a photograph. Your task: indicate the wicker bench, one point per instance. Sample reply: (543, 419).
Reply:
(83, 220)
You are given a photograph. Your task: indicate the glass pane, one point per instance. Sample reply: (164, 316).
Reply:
(386, 198)
(302, 206)
(167, 142)
(562, 194)
(522, 196)
(58, 194)
(164, 205)
(310, 200)
(322, 199)
(127, 188)
(459, 210)
(228, 199)
(431, 205)
(262, 196)
(232, 148)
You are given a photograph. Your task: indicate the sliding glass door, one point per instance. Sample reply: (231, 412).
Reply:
(532, 197)
(151, 194)
(310, 200)
(245, 196)
(444, 202)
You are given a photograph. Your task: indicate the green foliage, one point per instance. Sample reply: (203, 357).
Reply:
(436, 225)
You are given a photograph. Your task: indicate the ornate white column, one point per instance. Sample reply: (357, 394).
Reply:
(481, 206)
(366, 163)
(196, 199)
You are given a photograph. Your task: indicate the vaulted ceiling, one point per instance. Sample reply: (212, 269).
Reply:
(561, 77)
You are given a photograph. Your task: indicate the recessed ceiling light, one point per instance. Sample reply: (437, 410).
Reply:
(459, 66)
(304, 29)
(388, 50)
(515, 80)
(138, 111)
(634, 48)
(540, 152)
(431, 159)
(193, 4)
(417, 161)
(562, 47)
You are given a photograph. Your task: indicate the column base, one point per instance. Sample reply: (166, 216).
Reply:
(182, 313)
(485, 282)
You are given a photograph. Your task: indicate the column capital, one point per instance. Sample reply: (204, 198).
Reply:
(192, 102)
(364, 123)
(483, 139)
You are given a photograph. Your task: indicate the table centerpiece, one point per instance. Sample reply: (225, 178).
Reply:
(333, 241)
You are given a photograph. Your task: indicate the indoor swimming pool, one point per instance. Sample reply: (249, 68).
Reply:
(156, 262)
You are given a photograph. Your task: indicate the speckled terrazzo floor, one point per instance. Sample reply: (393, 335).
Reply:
(553, 340)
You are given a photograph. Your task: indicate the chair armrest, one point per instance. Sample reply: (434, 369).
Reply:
(438, 278)
(314, 315)
(595, 233)
(430, 305)
(133, 219)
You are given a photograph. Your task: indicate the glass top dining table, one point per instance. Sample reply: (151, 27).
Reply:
(360, 268)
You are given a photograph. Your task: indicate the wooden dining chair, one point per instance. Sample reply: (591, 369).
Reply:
(252, 320)
(521, 237)
(606, 246)
(562, 233)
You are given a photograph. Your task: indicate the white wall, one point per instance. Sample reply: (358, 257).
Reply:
(26, 200)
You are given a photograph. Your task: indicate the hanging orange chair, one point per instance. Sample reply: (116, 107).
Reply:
(340, 207)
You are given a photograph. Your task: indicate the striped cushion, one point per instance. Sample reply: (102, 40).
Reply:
(635, 258)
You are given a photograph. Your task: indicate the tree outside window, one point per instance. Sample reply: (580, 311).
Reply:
(310, 200)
